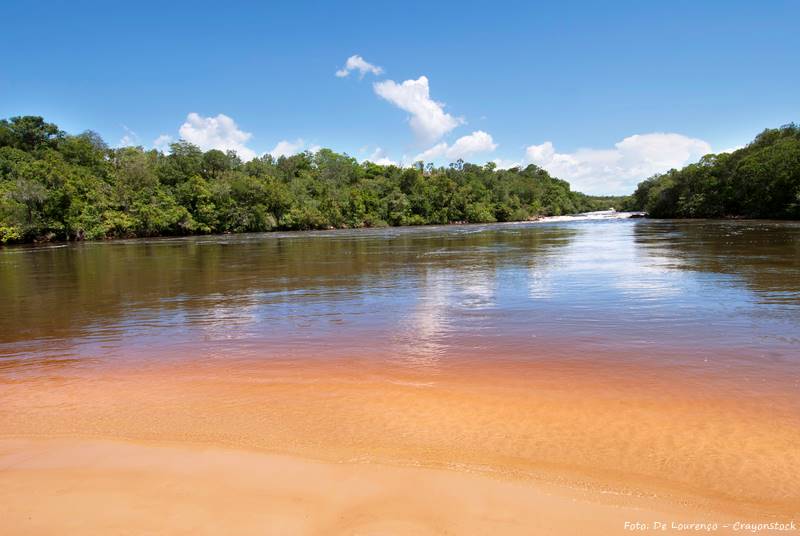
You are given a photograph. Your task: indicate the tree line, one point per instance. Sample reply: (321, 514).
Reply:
(57, 186)
(761, 180)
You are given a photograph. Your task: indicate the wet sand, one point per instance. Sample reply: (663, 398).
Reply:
(352, 447)
(102, 487)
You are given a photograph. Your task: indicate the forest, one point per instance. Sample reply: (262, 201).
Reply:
(761, 180)
(58, 186)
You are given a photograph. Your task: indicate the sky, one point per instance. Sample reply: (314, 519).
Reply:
(602, 94)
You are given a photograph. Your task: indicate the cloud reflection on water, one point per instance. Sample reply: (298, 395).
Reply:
(411, 295)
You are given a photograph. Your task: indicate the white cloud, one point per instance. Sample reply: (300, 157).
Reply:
(432, 153)
(618, 170)
(380, 157)
(288, 148)
(220, 132)
(730, 149)
(428, 119)
(357, 63)
(162, 143)
(477, 142)
(129, 139)
(502, 163)
(465, 146)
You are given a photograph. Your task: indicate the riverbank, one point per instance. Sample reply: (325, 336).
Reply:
(586, 216)
(71, 486)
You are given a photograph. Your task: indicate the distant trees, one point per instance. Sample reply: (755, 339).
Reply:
(761, 180)
(73, 187)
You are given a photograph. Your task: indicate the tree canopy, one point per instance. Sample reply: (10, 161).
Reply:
(57, 186)
(761, 180)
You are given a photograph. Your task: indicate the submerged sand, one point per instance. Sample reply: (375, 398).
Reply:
(350, 447)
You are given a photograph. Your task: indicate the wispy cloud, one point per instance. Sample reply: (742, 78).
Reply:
(162, 142)
(129, 138)
(357, 63)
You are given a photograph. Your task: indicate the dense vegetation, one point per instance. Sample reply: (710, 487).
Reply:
(761, 180)
(56, 186)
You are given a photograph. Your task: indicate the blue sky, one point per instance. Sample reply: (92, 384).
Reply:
(601, 95)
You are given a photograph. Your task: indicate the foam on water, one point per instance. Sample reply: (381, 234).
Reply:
(610, 214)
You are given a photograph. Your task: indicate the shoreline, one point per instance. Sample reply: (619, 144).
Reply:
(300, 232)
(537, 219)
(130, 487)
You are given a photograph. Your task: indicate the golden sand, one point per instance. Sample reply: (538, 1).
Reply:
(101, 487)
(348, 447)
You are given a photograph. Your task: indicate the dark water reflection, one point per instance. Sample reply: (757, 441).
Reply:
(679, 293)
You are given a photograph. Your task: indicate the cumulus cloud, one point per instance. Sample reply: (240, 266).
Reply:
(357, 63)
(220, 132)
(287, 148)
(428, 155)
(477, 142)
(502, 163)
(464, 147)
(428, 119)
(162, 143)
(618, 170)
(380, 157)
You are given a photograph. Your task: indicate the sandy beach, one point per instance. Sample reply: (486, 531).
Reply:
(347, 448)
(104, 487)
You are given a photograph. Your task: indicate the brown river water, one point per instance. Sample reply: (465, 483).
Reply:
(628, 358)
